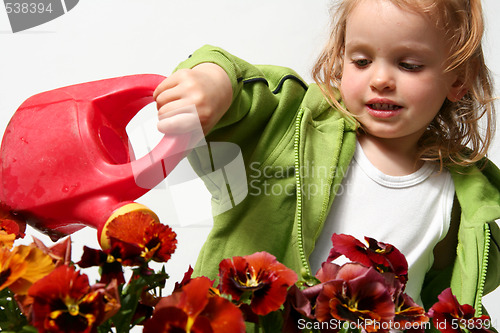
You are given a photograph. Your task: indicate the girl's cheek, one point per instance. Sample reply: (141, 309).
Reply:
(349, 89)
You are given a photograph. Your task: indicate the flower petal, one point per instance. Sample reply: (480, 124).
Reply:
(194, 296)
(407, 311)
(22, 267)
(223, 315)
(110, 296)
(162, 239)
(7, 239)
(39, 265)
(60, 252)
(64, 281)
(185, 280)
(167, 319)
(389, 257)
(350, 247)
(327, 272)
(12, 266)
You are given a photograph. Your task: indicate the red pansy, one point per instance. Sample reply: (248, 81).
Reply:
(261, 277)
(449, 316)
(195, 308)
(357, 294)
(381, 256)
(156, 240)
(111, 260)
(64, 302)
(409, 314)
(10, 222)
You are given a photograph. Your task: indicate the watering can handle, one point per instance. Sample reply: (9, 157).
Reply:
(124, 97)
(120, 99)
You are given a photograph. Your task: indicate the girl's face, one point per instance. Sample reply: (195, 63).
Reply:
(393, 78)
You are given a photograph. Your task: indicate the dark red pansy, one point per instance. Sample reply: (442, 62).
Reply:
(357, 294)
(449, 316)
(64, 302)
(10, 222)
(112, 260)
(195, 308)
(381, 256)
(409, 314)
(156, 240)
(260, 277)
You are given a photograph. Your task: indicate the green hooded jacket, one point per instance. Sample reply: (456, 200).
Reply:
(281, 125)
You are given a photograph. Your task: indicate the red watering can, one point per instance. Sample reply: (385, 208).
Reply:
(66, 161)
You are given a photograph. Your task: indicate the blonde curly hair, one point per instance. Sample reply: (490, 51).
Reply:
(455, 136)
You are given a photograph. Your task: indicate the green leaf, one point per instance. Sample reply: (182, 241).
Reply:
(131, 296)
(11, 317)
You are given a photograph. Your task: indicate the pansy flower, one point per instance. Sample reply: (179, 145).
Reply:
(64, 302)
(297, 307)
(112, 260)
(449, 316)
(195, 308)
(381, 256)
(156, 240)
(11, 226)
(409, 314)
(357, 294)
(22, 266)
(258, 276)
(6, 214)
(110, 298)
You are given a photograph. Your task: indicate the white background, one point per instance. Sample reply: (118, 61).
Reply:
(107, 38)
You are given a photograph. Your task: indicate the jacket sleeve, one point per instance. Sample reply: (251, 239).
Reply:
(258, 91)
(265, 103)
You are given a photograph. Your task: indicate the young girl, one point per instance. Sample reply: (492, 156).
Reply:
(386, 145)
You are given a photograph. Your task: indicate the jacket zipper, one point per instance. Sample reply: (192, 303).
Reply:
(298, 183)
(484, 268)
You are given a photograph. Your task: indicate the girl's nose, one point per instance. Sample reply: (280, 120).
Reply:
(382, 79)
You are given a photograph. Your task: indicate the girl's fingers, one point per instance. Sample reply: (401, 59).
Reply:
(206, 86)
(172, 108)
(181, 120)
(172, 81)
(166, 84)
(165, 98)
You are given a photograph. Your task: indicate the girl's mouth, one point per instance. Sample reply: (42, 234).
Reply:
(383, 110)
(384, 107)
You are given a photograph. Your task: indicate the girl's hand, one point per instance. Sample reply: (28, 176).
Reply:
(206, 87)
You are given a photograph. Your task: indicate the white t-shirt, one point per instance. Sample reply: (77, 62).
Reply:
(411, 212)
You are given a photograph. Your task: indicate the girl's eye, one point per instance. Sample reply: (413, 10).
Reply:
(360, 63)
(410, 67)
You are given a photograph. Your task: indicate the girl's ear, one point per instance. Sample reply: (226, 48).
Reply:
(457, 91)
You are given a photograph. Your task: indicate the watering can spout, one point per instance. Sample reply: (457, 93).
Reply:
(66, 160)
